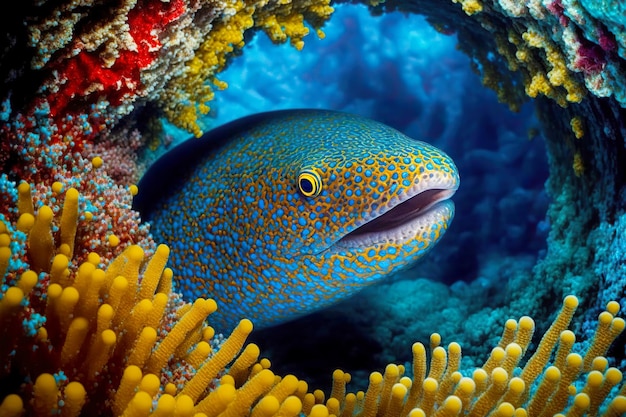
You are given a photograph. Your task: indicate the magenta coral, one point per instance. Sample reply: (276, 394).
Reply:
(590, 58)
(557, 9)
(606, 39)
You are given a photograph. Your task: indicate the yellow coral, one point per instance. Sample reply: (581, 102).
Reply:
(499, 394)
(280, 20)
(578, 165)
(506, 46)
(539, 84)
(210, 58)
(609, 328)
(577, 127)
(558, 82)
(540, 358)
(340, 379)
(534, 39)
(97, 162)
(470, 7)
(12, 406)
(96, 331)
(25, 200)
(40, 241)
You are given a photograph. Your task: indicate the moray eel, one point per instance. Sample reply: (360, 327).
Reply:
(282, 213)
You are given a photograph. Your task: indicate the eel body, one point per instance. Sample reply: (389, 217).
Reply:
(282, 213)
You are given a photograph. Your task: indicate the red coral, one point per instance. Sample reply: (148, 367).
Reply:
(82, 79)
(590, 58)
(34, 144)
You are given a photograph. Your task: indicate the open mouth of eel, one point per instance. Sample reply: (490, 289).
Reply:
(404, 219)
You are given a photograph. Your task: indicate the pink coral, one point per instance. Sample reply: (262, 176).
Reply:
(557, 9)
(119, 151)
(590, 58)
(606, 39)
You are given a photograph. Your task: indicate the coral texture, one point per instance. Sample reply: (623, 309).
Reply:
(89, 319)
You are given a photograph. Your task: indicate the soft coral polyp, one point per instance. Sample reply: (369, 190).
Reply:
(590, 58)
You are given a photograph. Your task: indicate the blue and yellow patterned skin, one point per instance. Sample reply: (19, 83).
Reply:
(281, 213)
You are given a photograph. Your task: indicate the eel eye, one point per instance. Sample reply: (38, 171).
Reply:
(310, 183)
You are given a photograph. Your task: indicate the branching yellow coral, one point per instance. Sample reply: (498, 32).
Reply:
(539, 85)
(281, 20)
(497, 392)
(553, 80)
(543, 63)
(507, 90)
(209, 59)
(578, 165)
(106, 342)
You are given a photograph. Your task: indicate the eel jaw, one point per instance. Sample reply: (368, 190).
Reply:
(403, 221)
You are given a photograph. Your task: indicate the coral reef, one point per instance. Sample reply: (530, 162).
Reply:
(557, 48)
(91, 333)
(84, 85)
(569, 58)
(145, 50)
(188, 94)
